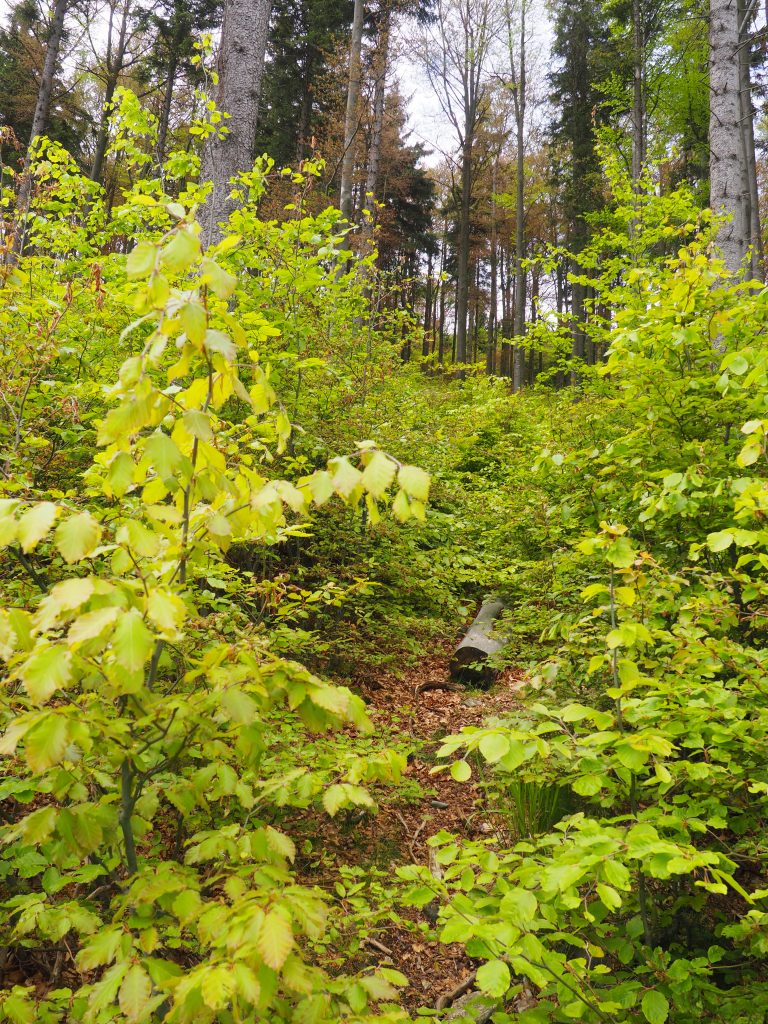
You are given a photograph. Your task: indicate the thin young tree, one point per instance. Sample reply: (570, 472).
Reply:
(352, 114)
(516, 44)
(124, 22)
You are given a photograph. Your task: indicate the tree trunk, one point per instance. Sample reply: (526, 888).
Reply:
(490, 356)
(427, 308)
(379, 94)
(242, 49)
(40, 117)
(747, 120)
(462, 269)
(729, 190)
(638, 91)
(102, 139)
(43, 105)
(165, 113)
(518, 372)
(351, 123)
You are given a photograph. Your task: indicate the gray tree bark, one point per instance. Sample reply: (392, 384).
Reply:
(351, 118)
(638, 91)
(729, 188)
(42, 110)
(379, 96)
(519, 83)
(242, 50)
(746, 12)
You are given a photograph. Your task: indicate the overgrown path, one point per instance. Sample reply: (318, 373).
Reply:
(398, 834)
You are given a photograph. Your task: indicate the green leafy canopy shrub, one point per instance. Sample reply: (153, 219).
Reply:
(649, 902)
(140, 842)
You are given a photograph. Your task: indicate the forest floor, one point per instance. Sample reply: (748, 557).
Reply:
(399, 832)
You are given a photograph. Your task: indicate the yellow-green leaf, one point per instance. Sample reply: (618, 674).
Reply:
(35, 524)
(275, 939)
(132, 642)
(414, 481)
(135, 992)
(77, 537)
(378, 474)
(47, 670)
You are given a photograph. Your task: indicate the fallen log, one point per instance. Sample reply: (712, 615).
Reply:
(473, 1008)
(470, 660)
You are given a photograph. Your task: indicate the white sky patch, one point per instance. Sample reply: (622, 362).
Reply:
(426, 119)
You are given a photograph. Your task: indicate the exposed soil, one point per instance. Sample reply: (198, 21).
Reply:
(432, 968)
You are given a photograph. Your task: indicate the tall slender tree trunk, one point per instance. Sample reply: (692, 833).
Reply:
(242, 50)
(351, 119)
(729, 189)
(745, 14)
(441, 334)
(53, 46)
(490, 356)
(165, 113)
(464, 239)
(305, 116)
(40, 116)
(102, 138)
(638, 91)
(518, 370)
(379, 96)
(427, 308)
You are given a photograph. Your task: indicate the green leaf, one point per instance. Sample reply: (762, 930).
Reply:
(140, 262)
(414, 481)
(345, 477)
(46, 742)
(519, 906)
(655, 1006)
(275, 939)
(620, 553)
(461, 771)
(239, 706)
(378, 474)
(47, 670)
(493, 747)
(132, 642)
(720, 541)
(401, 507)
(194, 322)
(217, 987)
(35, 524)
(163, 454)
(617, 873)
(135, 992)
(182, 250)
(120, 474)
(609, 896)
(221, 282)
(77, 536)
(493, 978)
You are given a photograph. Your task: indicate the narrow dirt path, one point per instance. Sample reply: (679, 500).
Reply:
(432, 968)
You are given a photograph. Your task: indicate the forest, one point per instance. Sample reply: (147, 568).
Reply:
(383, 511)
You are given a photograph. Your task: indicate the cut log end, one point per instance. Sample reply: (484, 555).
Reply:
(469, 663)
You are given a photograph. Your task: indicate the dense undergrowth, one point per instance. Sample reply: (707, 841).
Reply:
(215, 475)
